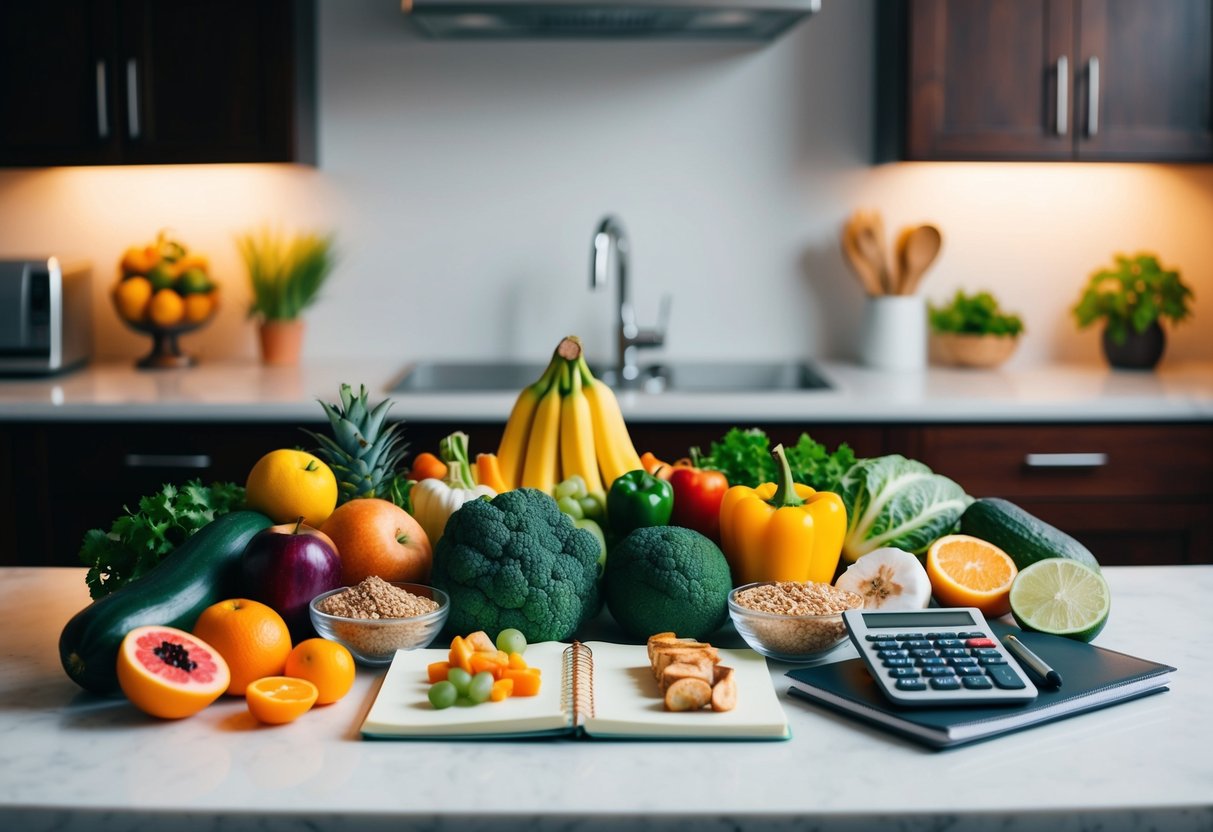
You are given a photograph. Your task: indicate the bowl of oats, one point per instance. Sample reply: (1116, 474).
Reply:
(791, 621)
(375, 618)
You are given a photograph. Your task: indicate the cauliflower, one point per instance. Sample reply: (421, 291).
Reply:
(668, 579)
(517, 561)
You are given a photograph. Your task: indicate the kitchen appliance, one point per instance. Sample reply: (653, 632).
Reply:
(757, 20)
(45, 316)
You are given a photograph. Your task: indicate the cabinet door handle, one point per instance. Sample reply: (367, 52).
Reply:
(1093, 460)
(198, 461)
(1092, 96)
(132, 98)
(103, 110)
(1063, 95)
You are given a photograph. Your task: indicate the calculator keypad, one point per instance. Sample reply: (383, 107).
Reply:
(943, 661)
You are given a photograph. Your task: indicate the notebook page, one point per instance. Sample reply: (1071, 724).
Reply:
(628, 701)
(401, 708)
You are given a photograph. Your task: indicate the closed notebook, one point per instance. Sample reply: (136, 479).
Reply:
(1092, 678)
(597, 689)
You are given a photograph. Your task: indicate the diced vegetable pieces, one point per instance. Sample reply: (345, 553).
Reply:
(436, 671)
(516, 662)
(502, 689)
(481, 643)
(526, 682)
(488, 662)
(461, 653)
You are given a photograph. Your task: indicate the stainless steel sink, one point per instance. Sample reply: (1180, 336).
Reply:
(674, 377)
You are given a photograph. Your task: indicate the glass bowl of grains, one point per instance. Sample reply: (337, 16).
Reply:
(789, 620)
(375, 618)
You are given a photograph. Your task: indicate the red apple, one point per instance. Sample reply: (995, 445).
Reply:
(286, 566)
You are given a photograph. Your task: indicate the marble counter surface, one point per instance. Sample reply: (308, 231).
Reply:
(249, 392)
(69, 760)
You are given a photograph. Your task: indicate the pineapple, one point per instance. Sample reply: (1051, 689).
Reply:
(365, 452)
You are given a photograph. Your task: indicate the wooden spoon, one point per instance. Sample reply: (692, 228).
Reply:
(867, 275)
(921, 248)
(869, 238)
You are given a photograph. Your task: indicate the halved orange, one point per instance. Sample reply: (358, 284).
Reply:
(279, 699)
(968, 572)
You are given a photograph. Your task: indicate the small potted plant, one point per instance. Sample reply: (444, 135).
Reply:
(972, 331)
(286, 276)
(1131, 298)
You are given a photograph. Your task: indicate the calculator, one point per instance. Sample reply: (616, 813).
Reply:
(937, 657)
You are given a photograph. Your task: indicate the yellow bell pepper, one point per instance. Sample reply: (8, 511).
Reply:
(784, 532)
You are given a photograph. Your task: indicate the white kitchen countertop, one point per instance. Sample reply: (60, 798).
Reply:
(69, 760)
(246, 391)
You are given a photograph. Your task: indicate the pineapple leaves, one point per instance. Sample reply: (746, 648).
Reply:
(365, 450)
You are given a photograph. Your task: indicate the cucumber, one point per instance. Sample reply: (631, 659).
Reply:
(1023, 536)
(203, 570)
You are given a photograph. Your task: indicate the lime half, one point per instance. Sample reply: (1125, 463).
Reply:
(1062, 597)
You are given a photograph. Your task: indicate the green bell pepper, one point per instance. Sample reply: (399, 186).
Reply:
(638, 499)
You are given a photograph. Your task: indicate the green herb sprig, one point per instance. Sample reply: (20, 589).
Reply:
(744, 457)
(138, 540)
(976, 314)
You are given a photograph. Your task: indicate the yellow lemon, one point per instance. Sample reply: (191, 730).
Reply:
(167, 308)
(131, 297)
(288, 484)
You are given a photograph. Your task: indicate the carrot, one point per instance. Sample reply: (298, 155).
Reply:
(502, 689)
(526, 682)
(488, 472)
(486, 661)
(427, 466)
(437, 671)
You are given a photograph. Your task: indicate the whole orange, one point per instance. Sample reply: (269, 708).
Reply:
(326, 664)
(251, 637)
(288, 484)
(166, 308)
(378, 537)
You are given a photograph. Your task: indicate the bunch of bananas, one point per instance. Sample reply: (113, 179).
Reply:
(566, 423)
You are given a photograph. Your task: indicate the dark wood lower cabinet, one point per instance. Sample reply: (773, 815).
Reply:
(1150, 501)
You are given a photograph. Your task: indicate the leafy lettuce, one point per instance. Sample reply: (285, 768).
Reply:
(899, 502)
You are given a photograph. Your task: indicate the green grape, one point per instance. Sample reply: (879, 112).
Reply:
(442, 695)
(511, 641)
(571, 506)
(591, 508)
(573, 487)
(459, 679)
(480, 687)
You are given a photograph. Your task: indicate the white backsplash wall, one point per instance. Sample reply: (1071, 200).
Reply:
(464, 181)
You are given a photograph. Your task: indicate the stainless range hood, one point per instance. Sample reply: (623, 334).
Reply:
(596, 19)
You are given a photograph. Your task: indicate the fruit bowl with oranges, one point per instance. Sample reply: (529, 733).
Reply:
(164, 291)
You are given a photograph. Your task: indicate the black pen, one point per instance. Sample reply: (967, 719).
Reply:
(1031, 662)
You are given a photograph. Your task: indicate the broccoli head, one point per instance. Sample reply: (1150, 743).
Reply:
(667, 579)
(517, 561)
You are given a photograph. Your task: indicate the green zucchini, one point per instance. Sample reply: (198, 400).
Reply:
(1023, 536)
(203, 570)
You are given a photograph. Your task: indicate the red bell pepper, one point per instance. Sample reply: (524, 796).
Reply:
(697, 496)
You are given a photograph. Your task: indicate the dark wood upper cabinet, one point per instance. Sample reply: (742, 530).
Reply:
(1083, 80)
(89, 82)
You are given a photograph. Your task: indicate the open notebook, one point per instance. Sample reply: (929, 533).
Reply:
(596, 689)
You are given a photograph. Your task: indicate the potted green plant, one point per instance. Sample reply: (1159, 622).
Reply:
(1131, 298)
(973, 331)
(285, 275)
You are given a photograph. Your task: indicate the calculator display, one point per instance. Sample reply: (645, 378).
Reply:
(951, 618)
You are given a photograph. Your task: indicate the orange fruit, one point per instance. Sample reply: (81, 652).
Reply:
(131, 297)
(326, 664)
(287, 484)
(251, 638)
(198, 307)
(279, 699)
(169, 673)
(968, 572)
(167, 308)
(378, 537)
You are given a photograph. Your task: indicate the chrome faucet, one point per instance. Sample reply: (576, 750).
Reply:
(630, 337)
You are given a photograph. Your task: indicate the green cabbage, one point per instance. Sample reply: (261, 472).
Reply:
(899, 502)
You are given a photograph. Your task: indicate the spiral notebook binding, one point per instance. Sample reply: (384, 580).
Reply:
(578, 694)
